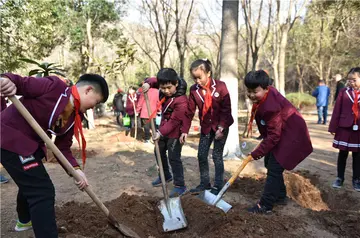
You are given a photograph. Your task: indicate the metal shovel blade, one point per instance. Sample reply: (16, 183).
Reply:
(175, 218)
(210, 198)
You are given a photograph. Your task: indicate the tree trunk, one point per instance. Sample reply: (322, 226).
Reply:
(90, 112)
(282, 58)
(228, 62)
(301, 78)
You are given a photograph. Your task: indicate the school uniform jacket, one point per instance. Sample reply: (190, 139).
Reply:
(220, 112)
(45, 99)
(284, 131)
(3, 103)
(174, 120)
(343, 116)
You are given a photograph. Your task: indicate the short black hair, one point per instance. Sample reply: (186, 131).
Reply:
(98, 82)
(354, 70)
(167, 75)
(254, 79)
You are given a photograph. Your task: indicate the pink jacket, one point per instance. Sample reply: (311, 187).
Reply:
(153, 98)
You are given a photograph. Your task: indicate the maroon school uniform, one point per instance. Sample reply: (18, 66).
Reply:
(3, 103)
(174, 120)
(220, 112)
(130, 101)
(46, 98)
(284, 131)
(342, 122)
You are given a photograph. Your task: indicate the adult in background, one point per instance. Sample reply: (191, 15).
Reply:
(340, 83)
(322, 93)
(118, 105)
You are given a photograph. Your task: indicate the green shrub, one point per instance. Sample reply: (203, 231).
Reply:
(301, 99)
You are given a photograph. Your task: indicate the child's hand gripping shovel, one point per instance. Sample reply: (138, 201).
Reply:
(170, 208)
(216, 200)
(25, 113)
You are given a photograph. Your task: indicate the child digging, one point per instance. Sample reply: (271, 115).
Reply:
(345, 125)
(286, 141)
(59, 110)
(174, 104)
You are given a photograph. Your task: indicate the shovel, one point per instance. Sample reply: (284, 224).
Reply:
(170, 208)
(216, 200)
(126, 231)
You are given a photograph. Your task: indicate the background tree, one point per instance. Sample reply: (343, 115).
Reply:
(228, 69)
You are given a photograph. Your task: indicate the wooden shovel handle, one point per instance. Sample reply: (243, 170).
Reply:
(157, 150)
(64, 162)
(238, 171)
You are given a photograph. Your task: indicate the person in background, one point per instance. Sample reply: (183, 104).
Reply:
(118, 105)
(340, 83)
(141, 109)
(345, 125)
(131, 103)
(322, 93)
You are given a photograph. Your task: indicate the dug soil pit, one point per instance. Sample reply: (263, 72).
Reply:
(311, 208)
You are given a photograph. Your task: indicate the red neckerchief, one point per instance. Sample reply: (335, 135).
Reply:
(254, 108)
(207, 98)
(78, 125)
(355, 106)
(158, 106)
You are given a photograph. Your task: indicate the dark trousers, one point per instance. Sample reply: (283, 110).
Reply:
(36, 195)
(341, 164)
(146, 125)
(274, 186)
(322, 114)
(217, 156)
(173, 148)
(119, 115)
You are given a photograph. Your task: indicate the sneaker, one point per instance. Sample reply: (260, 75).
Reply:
(216, 189)
(258, 209)
(338, 183)
(23, 226)
(147, 141)
(157, 181)
(282, 201)
(356, 184)
(177, 191)
(200, 188)
(3, 179)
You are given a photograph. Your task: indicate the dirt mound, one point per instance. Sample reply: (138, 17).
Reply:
(304, 192)
(143, 216)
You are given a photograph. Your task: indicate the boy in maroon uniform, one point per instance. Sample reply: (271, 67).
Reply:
(174, 104)
(59, 110)
(286, 138)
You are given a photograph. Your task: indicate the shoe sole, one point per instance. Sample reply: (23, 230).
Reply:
(23, 229)
(335, 186)
(357, 189)
(158, 185)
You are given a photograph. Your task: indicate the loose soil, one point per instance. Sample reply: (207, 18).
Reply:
(120, 170)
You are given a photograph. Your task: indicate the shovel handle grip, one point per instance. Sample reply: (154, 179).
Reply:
(64, 162)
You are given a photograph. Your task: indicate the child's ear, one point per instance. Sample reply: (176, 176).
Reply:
(88, 89)
(208, 74)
